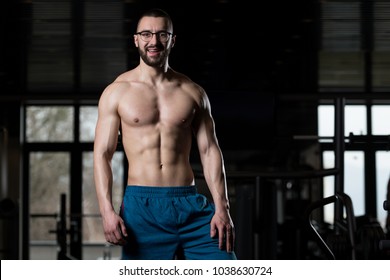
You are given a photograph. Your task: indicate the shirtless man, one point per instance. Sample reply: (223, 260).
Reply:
(159, 111)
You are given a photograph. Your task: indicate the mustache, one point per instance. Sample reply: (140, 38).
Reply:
(154, 47)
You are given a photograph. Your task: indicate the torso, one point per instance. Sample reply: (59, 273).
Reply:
(156, 130)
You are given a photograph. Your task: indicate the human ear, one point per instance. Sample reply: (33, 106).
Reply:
(173, 41)
(135, 40)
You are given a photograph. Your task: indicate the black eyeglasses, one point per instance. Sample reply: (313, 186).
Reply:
(162, 36)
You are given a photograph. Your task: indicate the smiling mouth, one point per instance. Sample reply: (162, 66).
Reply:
(154, 52)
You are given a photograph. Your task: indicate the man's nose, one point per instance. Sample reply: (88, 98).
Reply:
(154, 38)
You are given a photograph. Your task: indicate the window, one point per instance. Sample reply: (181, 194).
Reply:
(94, 244)
(49, 177)
(354, 159)
(353, 182)
(88, 119)
(49, 124)
(73, 47)
(380, 120)
(354, 57)
(53, 153)
(383, 177)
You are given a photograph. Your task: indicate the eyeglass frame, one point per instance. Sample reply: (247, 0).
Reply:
(154, 33)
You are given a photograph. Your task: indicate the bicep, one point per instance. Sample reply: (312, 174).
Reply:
(107, 128)
(204, 125)
(204, 130)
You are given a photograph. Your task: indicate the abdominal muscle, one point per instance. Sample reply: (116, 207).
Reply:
(158, 159)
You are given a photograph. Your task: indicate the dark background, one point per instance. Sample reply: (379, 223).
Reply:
(257, 60)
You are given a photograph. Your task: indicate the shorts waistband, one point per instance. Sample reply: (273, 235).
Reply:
(148, 191)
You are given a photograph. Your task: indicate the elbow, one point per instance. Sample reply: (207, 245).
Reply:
(103, 154)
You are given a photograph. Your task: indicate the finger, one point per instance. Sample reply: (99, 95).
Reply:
(123, 229)
(212, 230)
(123, 239)
(233, 239)
(117, 236)
(110, 237)
(221, 235)
(228, 240)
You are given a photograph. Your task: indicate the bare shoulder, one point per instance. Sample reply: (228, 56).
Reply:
(194, 89)
(114, 91)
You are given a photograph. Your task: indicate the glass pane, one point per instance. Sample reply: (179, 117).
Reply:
(94, 243)
(329, 183)
(380, 120)
(382, 180)
(326, 120)
(49, 178)
(355, 119)
(354, 180)
(49, 123)
(88, 119)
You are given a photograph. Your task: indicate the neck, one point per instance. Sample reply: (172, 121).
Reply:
(153, 74)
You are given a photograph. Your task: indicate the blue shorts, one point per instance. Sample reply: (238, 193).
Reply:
(164, 222)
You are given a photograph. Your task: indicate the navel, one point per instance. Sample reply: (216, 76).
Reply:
(136, 120)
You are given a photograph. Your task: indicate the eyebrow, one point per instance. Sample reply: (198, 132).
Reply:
(153, 32)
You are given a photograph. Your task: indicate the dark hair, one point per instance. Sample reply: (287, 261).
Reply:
(156, 12)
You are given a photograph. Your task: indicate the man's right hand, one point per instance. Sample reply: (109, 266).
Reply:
(114, 229)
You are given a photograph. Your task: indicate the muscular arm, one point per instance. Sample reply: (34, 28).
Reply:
(214, 173)
(106, 137)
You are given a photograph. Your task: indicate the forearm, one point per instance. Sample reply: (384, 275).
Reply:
(103, 182)
(214, 173)
(220, 198)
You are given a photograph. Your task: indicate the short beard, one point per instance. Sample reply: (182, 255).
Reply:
(158, 62)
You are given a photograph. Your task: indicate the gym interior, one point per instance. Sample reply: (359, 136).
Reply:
(300, 94)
